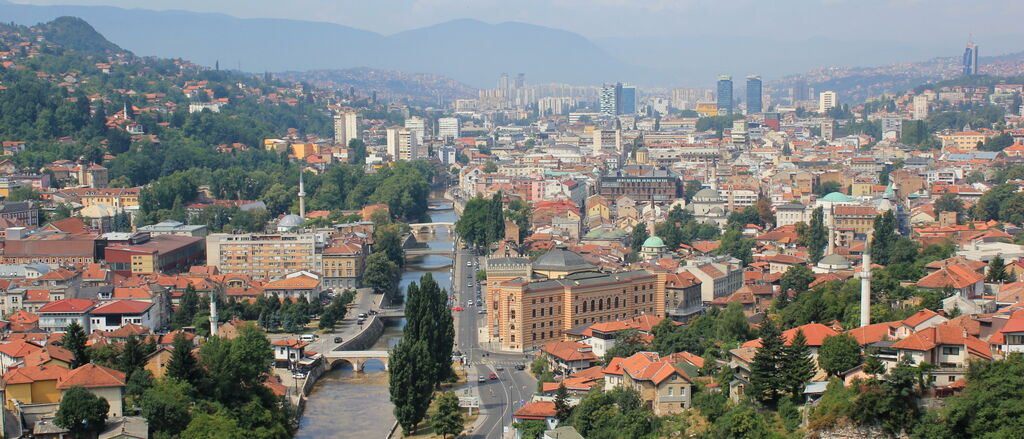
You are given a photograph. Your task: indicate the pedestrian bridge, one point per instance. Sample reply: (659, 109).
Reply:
(430, 227)
(356, 358)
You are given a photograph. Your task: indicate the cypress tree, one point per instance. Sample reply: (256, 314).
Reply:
(74, 341)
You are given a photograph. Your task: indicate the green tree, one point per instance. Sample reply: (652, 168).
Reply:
(490, 167)
(81, 412)
(74, 341)
(839, 353)
(428, 319)
(166, 405)
(387, 239)
(380, 273)
(188, 306)
(213, 426)
(638, 236)
(949, 203)
(183, 364)
(742, 422)
(997, 271)
(797, 278)
(133, 355)
(530, 428)
(410, 382)
(767, 382)
(734, 244)
(884, 238)
(448, 419)
(815, 236)
(989, 407)
(562, 406)
(797, 365)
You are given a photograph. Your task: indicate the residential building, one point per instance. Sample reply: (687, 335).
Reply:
(418, 127)
(643, 184)
(261, 255)
(346, 128)
(947, 347)
(568, 357)
(827, 100)
(24, 212)
(402, 144)
(343, 265)
(288, 352)
(55, 316)
(103, 382)
(294, 286)
(719, 276)
(607, 141)
(663, 386)
(32, 385)
(113, 315)
(449, 128)
(920, 107)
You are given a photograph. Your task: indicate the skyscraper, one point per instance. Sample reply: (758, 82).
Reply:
(799, 90)
(971, 59)
(724, 95)
(627, 100)
(346, 128)
(611, 96)
(827, 100)
(754, 99)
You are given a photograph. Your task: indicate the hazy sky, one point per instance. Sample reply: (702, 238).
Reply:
(908, 21)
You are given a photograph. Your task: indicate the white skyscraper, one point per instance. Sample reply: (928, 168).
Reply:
(346, 128)
(827, 100)
(418, 126)
(448, 128)
(402, 144)
(920, 107)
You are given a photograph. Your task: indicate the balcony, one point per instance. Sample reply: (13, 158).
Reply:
(673, 398)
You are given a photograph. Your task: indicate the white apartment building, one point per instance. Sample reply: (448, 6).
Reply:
(920, 107)
(346, 128)
(448, 128)
(827, 100)
(418, 127)
(402, 144)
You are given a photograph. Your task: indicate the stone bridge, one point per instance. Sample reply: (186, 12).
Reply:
(430, 227)
(356, 358)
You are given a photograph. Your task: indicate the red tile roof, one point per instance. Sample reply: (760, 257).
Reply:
(930, 338)
(122, 307)
(569, 351)
(92, 376)
(814, 332)
(953, 275)
(31, 374)
(67, 306)
(18, 348)
(537, 410)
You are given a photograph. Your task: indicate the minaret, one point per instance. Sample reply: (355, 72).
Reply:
(213, 315)
(865, 284)
(302, 197)
(832, 231)
(125, 111)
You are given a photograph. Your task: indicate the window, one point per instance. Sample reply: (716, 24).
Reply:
(950, 350)
(670, 391)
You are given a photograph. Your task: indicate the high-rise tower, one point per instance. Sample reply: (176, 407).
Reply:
(754, 97)
(971, 59)
(724, 95)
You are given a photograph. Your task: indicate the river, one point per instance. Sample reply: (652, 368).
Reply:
(345, 404)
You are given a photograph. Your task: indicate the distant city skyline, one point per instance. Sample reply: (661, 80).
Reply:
(910, 21)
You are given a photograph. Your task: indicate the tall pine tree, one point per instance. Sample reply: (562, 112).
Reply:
(766, 380)
(74, 341)
(797, 366)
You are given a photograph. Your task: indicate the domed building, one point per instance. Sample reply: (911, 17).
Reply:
(832, 263)
(652, 248)
(289, 222)
(559, 262)
(707, 207)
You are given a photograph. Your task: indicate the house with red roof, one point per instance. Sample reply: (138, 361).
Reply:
(949, 348)
(32, 385)
(962, 280)
(662, 385)
(568, 357)
(539, 411)
(103, 382)
(295, 285)
(1011, 337)
(13, 353)
(112, 315)
(56, 315)
(815, 333)
(288, 352)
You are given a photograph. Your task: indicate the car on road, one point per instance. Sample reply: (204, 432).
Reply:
(362, 315)
(520, 367)
(493, 376)
(482, 311)
(469, 263)
(457, 308)
(481, 379)
(298, 375)
(469, 303)
(360, 321)
(499, 368)
(337, 339)
(469, 285)
(307, 338)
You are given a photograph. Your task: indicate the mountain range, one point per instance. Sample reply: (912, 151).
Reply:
(469, 51)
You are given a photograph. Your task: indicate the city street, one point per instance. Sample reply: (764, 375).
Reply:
(500, 398)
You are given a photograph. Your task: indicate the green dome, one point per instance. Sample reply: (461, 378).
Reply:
(654, 241)
(836, 197)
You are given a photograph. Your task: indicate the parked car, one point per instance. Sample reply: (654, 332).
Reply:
(362, 315)
(337, 339)
(493, 376)
(520, 367)
(482, 311)
(298, 375)
(481, 379)
(307, 338)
